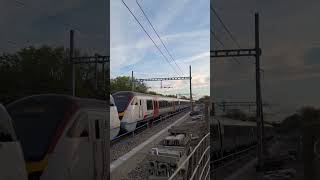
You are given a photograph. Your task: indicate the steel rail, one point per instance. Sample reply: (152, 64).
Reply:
(134, 132)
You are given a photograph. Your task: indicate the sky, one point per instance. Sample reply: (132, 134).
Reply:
(184, 27)
(289, 38)
(48, 22)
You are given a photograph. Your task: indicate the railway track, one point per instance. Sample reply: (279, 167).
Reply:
(125, 143)
(223, 167)
(145, 126)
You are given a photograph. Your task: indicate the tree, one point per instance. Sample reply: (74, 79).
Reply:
(173, 96)
(183, 97)
(42, 70)
(123, 83)
(236, 114)
(204, 98)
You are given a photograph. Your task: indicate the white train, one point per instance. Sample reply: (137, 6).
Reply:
(136, 108)
(114, 119)
(57, 137)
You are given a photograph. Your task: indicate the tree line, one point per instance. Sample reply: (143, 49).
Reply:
(42, 70)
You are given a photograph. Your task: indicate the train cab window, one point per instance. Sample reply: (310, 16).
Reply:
(149, 105)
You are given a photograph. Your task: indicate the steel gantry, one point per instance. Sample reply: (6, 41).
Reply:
(166, 79)
(255, 52)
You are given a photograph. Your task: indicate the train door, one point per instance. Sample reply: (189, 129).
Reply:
(98, 129)
(140, 109)
(156, 108)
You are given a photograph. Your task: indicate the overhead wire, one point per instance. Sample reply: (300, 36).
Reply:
(227, 30)
(225, 27)
(145, 15)
(222, 45)
(149, 37)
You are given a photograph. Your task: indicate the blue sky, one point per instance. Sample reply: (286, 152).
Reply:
(183, 25)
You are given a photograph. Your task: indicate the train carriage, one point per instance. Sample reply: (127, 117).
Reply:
(114, 119)
(58, 129)
(229, 135)
(137, 108)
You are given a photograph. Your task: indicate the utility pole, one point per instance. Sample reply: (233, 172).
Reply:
(190, 78)
(132, 83)
(72, 66)
(96, 73)
(258, 94)
(103, 76)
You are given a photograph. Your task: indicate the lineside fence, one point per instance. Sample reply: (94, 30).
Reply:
(196, 166)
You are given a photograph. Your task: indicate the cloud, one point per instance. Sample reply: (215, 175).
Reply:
(131, 49)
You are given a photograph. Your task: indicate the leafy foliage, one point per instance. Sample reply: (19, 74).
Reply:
(43, 70)
(123, 83)
(305, 116)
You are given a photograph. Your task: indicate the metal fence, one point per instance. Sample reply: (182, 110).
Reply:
(196, 166)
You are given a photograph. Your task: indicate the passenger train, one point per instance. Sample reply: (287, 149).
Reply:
(136, 108)
(61, 137)
(228, 135)
(114, 119)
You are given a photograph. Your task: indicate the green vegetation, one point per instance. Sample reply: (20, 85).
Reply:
(123, 83)
(295, 122)
(238, 115)
(44, 70)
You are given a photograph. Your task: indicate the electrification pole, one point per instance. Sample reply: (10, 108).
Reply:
(72, 66)
(258, 94)
(190, 78)
(255, 52)
(132, 83)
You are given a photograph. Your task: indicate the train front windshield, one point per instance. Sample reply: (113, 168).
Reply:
(36, 120)
(122, 100)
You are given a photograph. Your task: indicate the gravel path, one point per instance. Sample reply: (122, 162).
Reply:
(124, 146)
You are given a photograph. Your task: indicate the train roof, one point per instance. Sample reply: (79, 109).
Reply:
(234, 122)
(82, 102)
(143, 94)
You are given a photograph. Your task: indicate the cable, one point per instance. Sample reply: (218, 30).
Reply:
(145, 15)
(225, 27)
(228, 31)
(149, 36)
(220, 42)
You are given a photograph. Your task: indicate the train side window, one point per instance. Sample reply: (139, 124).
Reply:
(149, 105)
(140, 102)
